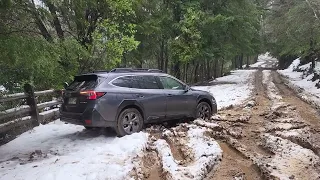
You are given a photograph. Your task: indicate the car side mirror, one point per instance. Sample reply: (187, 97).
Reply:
(186, 88)
(65, 85)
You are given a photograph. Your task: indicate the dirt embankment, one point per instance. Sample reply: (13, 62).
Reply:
(265, 138)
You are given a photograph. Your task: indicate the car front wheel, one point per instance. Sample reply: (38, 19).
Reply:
(204, 111)
(129, 121)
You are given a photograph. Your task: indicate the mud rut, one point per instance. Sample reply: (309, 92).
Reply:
(258, 139)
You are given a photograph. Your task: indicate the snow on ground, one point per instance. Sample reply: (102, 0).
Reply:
(265, 61)
(207, 153)
(302, 83)
(290, 160)
(272, 91)
(234, 88)
(64, 151)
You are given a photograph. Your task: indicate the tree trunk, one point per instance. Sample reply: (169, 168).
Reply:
(256, 58)
(196, 73)
(176, 69)
(215, 69)
(162, 54)
(222, 64)
(166, 54)
(235, 62)
(208, 69)
(312, 58)
(56, 22)
(186, 72)
(241, 61)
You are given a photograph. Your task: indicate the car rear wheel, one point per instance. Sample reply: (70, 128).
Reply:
(204, 111)
(129, 121)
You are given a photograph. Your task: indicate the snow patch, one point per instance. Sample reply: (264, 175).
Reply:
(2, 88)
(290, 159)
(207, 154)
(272, 90)
(63, 151)
(236, 92)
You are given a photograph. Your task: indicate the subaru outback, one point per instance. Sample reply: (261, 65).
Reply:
(125, 99)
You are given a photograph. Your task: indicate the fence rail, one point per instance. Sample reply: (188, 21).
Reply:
(17, 120)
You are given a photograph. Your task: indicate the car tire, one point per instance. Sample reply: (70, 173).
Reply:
(203, 111)
(129, 121)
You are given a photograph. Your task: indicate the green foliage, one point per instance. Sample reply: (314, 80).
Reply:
(294, 29)
(49, 43)
(111, 41)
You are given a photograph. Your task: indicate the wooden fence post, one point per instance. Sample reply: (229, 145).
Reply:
(32, 102)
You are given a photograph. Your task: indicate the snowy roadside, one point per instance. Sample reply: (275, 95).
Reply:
(235, 89)
(301, 83)
(63, 151)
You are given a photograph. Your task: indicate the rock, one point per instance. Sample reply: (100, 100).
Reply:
(291, 177)
(250, 104)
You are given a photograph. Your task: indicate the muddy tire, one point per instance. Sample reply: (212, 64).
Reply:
(129, 121)
(203, 111)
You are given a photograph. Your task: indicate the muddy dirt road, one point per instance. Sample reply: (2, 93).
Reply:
(273, 135)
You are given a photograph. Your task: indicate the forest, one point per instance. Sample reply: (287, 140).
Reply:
(47, 42)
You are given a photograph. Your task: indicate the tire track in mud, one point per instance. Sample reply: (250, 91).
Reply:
(305, 110)
(309, 136)
(242, 152)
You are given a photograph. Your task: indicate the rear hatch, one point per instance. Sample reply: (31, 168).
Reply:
(80, 93)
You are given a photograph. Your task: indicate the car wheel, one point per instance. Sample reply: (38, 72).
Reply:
(129, 121)
(204, 111)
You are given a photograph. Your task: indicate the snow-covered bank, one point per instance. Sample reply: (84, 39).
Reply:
(234, 88)
(301, 82)
(63, 151)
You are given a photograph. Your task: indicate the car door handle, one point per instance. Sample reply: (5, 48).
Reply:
(139, 96)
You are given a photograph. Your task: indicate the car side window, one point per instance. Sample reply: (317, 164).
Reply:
(147, 82)
(126, 81)
(170, 83)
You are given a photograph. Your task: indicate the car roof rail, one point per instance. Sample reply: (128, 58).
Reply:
(127, 70)
(100, 71)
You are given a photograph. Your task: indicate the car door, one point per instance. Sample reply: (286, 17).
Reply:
(150, 95)
(177, 98)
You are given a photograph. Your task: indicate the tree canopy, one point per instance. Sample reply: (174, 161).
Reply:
(47, 42)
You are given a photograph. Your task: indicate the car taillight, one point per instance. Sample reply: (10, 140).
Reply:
(92, 95)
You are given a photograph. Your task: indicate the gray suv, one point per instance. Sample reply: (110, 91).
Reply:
(125, 99)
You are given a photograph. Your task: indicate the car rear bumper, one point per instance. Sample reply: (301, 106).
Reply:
(92, 119)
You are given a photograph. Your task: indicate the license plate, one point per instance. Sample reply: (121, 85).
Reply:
(72, 101)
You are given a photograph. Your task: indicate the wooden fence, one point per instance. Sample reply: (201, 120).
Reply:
(29, 113)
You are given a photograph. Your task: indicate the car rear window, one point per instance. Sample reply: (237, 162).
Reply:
(84, 82)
